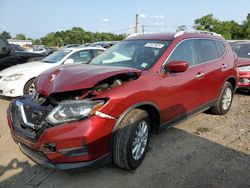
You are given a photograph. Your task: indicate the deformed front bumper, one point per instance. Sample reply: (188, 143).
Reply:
(71, 145)
(40, 158)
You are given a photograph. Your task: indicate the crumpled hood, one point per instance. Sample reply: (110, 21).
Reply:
(243, 62)
(75, 77)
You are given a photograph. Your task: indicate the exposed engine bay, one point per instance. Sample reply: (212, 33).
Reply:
(99, 88)
(33, 114)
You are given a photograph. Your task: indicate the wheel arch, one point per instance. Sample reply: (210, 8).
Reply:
(149, 107)
(233, 81)
(33, 78)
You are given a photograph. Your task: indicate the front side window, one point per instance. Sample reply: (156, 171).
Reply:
(56, 56)
(97, 52)
(139, 54)
(81, 56)
(207, 50)
(185, 51)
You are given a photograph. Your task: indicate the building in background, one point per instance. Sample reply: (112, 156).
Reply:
(22, 43)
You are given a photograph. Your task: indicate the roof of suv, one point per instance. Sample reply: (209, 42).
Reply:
(171, 36)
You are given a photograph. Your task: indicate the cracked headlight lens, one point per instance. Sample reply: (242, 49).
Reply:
(73, 111)
(12, 77)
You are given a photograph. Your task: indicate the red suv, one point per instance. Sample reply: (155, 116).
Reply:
(83, 115)
(242, 49)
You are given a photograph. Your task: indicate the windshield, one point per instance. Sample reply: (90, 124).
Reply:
(139, 54)
(56, 56)
(242, 50)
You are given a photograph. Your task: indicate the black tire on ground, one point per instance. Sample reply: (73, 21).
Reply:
(27, 86)
(218, 109)
(125, 136)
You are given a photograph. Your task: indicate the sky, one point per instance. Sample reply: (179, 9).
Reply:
(36, 18)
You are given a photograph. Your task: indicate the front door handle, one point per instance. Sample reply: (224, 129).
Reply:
(200, 75)
(223, 66)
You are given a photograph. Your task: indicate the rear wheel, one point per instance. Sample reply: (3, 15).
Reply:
(29, 87)
(225, 101)
(131, 139)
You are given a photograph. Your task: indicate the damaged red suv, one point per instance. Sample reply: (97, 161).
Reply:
(242, 49)
(82, 115)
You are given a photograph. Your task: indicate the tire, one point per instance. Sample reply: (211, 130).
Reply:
(127, 138)
(225, 100)
(28, 87)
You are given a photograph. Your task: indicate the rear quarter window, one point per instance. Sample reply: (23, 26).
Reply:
(221, 48)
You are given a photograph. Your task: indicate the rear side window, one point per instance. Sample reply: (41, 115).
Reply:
(97, 52)
(207, 50)
(220, 47)
(81, 56)
(185, 51)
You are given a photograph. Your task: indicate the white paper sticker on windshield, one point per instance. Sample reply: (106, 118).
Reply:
(154, 45)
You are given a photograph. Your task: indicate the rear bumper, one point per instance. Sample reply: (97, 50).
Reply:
(40, 159)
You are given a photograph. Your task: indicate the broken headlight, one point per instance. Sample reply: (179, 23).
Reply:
(73, 111)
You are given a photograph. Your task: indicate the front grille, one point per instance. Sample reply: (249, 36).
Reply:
(32, 118)
(25, 123)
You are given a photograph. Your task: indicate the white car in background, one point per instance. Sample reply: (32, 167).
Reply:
(19, 80)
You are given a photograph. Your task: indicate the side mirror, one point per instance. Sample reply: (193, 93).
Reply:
(176, 66)
(68, 61)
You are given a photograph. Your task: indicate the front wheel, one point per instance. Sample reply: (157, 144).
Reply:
(131, 139)
(29, 87)
(225, 100)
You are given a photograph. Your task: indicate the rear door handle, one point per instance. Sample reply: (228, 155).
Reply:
(200, 75)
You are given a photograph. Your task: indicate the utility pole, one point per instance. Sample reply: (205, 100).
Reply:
(143, 28)
(137, 23)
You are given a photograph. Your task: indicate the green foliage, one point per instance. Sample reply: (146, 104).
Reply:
(181, 28)
(20, 36)
(228, 29)
(6, 35)
(77, 35)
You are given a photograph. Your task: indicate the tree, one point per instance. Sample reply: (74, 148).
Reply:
(228, 29)
(181, 28)
(37, 41)
(6, 35)
(77, 35)
(207, 20)
(20, 36)
(246, 27)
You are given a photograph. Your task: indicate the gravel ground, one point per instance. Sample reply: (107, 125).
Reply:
(204, 151)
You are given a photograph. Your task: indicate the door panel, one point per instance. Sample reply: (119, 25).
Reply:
(182, 91)
(213, 65)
